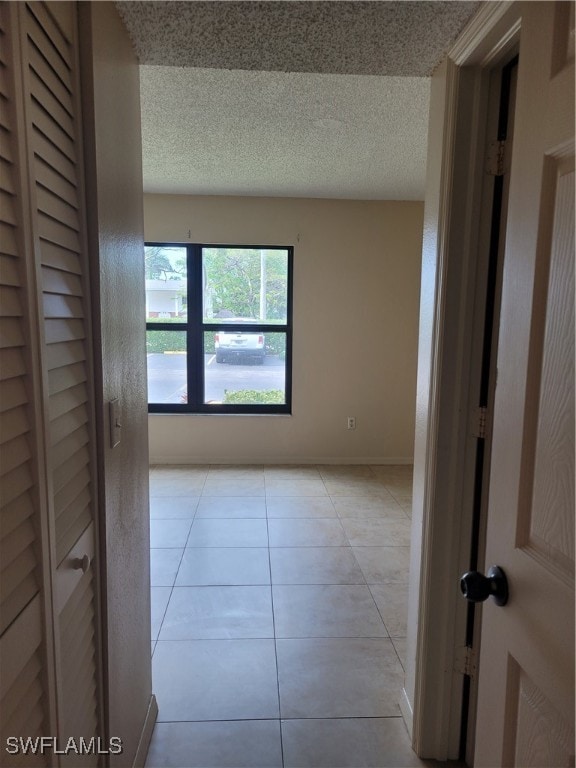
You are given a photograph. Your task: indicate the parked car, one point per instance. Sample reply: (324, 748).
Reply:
(232, 347)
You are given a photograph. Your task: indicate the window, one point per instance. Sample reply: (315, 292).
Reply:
(218, 328)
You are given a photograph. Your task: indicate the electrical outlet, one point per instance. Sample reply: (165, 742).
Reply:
(351, 422)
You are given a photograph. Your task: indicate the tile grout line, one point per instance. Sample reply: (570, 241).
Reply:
(274, 628)
(176, 574)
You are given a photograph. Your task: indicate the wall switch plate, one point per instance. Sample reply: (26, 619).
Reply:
(115, 422)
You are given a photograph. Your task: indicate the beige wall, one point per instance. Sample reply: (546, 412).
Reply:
(114, 172)
(356, 294)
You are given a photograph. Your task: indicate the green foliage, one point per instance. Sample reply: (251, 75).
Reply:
(276, 344)
(158, 266)
(255, 397)
(175, 320)
(168, 341)
(233, 278)
(209, 346)
(165, 341)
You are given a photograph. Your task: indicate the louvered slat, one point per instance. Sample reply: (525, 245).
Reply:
(18, 586)
(52, 29)
(67, 377)
(83, 720)
(14, 453)
(7, 238)
(3, 87)
(12, 364)
(28, 681)
(62, 306)
(73, 617)
(14, 422)
(56, 208)
(51, 81)
(45, 35)
(10, 301)
(64, 283)
(51, 179)
(67, 400)
(67, 447)
(22, 691)
(11, 332)
(5, 145)
(12, 394)
(49, 128)
(76, 612)
(7, 212)
(6, 175)
(28, 717)
(67, 423)
(53, 255)
(52, 156)
(77, 633)
(15, 543)
(68, 353)
(15, 513)
(3, 107)
(9, 274)
(74, 488)
(15, 483)
(64, 330)
(78, 460)
(72, 523)
(57, 233)
(48, 102)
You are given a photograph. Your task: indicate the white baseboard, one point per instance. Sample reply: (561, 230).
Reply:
(345, 460)
(146, 735)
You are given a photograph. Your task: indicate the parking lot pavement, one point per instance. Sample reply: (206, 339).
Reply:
(167, 377)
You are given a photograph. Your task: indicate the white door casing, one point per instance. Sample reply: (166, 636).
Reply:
(526, 671)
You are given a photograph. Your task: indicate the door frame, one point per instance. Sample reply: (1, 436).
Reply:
(454, 258)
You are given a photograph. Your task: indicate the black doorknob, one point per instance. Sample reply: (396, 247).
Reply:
(476, 587)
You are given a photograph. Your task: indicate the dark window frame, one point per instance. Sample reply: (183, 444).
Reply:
(195, 327)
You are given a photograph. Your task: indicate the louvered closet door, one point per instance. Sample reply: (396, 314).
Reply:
(53, 125)
(24, 707)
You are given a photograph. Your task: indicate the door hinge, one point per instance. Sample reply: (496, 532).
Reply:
(465, 661)
(495, 159)
(479, 422)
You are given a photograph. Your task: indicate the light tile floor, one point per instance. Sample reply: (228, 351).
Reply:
(279, 616)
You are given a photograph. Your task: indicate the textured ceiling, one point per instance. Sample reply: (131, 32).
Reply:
(302, 99)
(215, 131)
(353, 38)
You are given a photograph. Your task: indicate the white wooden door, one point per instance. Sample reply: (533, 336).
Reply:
(526, 677)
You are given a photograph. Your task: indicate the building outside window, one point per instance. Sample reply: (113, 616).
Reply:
(218, 328)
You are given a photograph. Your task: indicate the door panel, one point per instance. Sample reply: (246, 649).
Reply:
(545, 523)
(526, 682)
(542, 735)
